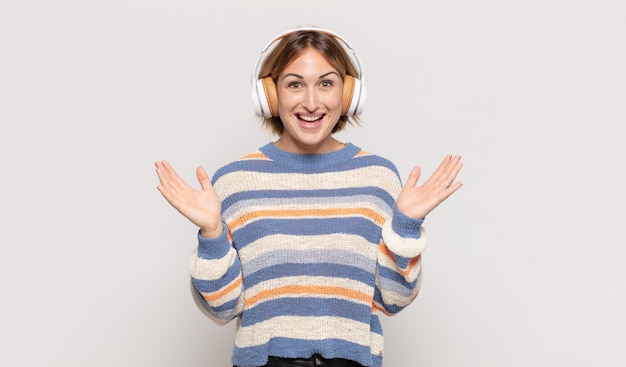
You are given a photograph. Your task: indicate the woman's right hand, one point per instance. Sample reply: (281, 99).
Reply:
(202, 207)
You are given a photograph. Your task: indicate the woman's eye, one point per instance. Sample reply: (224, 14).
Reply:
(294, 85)
(327, 83)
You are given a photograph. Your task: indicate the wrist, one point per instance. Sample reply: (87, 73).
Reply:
(211, 232)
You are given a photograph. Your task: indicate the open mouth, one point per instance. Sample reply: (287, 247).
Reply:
(310, 118)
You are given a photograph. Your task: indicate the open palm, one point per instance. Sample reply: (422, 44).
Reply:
(201, 207)
(417, 201)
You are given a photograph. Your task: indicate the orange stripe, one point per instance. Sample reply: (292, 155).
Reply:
(308, 290)
(229, 235)
(257, 155)
(378, 307)
(411, 265)
(214, 296)
(385, 251)
(334, 212)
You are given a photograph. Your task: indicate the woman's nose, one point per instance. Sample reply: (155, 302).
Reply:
(311, 99)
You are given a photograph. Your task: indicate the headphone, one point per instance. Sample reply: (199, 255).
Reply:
(265, 97)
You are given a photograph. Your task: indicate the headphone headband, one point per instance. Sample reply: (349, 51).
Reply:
(264, 90)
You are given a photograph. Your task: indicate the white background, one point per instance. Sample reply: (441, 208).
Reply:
(525, 265)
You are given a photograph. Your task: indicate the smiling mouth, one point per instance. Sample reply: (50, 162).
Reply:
(310, 118)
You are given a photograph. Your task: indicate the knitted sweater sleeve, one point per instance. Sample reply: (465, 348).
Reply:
(398, 276)
(216, 281)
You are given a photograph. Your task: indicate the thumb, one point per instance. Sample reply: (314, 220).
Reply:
(203, 178)
(414, 176)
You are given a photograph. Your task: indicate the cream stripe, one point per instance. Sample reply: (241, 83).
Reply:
(307, 328)
(210, 269)
(405, 247)
(336, 202)
(377, 345)
(339, 209)
(377, 176)
(393, 298)
(278, 242)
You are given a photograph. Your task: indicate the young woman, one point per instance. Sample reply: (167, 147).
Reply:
(306, 240)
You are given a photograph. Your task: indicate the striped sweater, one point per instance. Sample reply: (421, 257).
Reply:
(313, 250)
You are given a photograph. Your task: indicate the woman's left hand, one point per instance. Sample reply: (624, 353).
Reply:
(417, 201)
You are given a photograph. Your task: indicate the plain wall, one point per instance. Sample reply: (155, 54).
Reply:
(525, 265)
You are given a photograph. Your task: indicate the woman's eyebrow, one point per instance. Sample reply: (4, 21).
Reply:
(301, 77)
(327, 74)
(294, 75)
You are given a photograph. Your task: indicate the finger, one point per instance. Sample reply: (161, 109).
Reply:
(164, 172)
(172, 179)
(413, 177)
(450, 162)
(442, 168)
(457, 167)
(454, 168)
(164, 192)
(161, 172)
(439, 177)
(450, 190)
(445, 174)
(450, 167)
(168, 169)
(203, 178)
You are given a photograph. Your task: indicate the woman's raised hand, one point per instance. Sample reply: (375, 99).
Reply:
(202, 207)
(417, 201)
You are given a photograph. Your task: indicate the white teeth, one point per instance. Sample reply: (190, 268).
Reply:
(310, 118)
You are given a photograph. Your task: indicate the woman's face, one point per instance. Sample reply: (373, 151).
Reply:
(309, 104)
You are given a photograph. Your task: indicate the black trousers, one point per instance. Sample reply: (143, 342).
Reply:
(315, 361)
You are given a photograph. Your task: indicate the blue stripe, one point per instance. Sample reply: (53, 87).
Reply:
(210, 286)
(375, 325)
(305, 306)
(386, 273)
(377, 361)
(269, 166)
(213, 248)
(324, 270)
(366, 193)
(359, 226)
(223, 311)
(406, 226)
(392, 309)
(403, 262)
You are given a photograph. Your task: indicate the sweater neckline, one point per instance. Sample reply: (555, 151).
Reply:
(309, 161)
